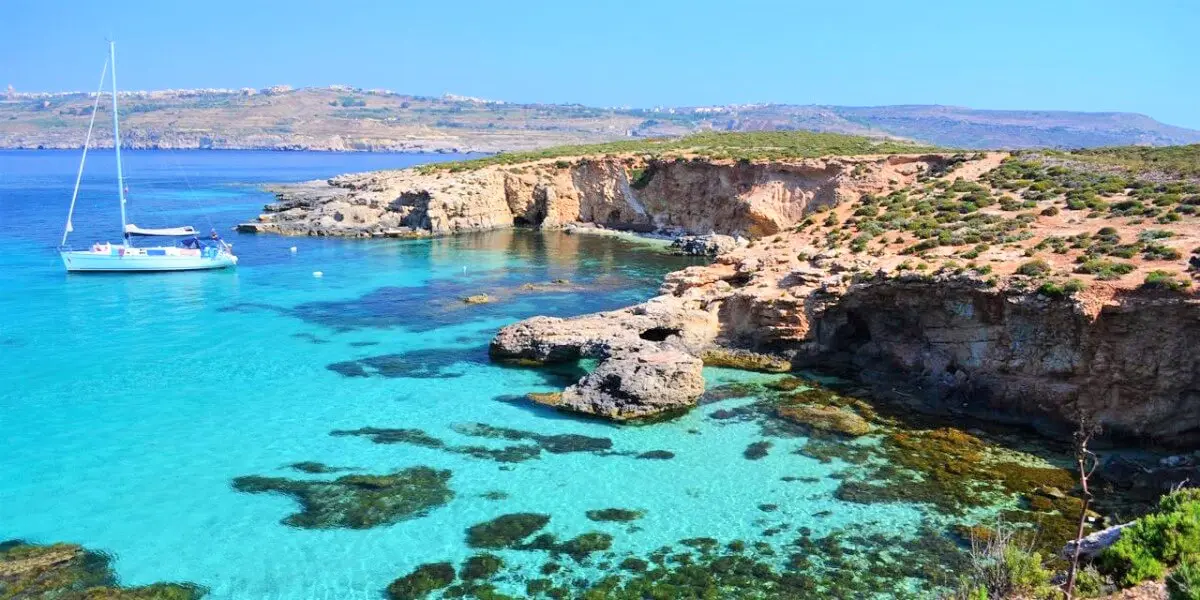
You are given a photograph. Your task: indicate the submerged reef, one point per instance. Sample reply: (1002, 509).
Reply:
(505, 531)
(843, 564)
(417, 437)
(564, 443)
(357, 501)
(316, 468)
(69, 572)
(745, 360)
(429, 363)
(513, 531)
(757, 450)
(561, 443)
(826, 418)
(422, 581)
(615, 514)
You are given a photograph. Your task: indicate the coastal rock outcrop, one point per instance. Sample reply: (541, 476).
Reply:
(705, 245)
(637, 384)
(1004, 337)
(696, 196)
(647, 356)
(1029, 289)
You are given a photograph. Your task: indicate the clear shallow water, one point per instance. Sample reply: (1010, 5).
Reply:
(129, 403)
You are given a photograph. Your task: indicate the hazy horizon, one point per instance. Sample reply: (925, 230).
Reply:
(1103, 56)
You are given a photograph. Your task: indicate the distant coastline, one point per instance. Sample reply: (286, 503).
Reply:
(449, 152)
(340, 118)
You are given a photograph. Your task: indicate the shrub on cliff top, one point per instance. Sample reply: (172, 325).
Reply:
(742, 146)
(1165, 280)
(1104, 269)
(1034, 268)
(1002, 568)
(1168, 537)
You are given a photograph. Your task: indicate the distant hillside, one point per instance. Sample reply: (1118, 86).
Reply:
(340, 118)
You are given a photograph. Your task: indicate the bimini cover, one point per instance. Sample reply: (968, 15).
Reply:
(132, 229)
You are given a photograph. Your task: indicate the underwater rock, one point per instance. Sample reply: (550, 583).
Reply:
(417, 437)
(825, 418)
(349, 368)
(560, 443)
(506, 531)
(730, 390)
(634, 564)
(424, 580)
(315, 468)
(637, 385)
(481, 566)
(69, 571)
(357, 501)
(426, 363)
(477, 299)
(615, 514)
(757, 450)
(745, 360)
(585, 544)
(545, 398)
(656, 455)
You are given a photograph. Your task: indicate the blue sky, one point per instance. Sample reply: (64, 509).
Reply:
(1054, 54)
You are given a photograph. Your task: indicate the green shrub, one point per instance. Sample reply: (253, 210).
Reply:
(1156, 251)
(1184, 583)
(1167, 537)
(1002, 568)
(1104, 269)
(1034, 268)
(1089, 583)
(1165, 280)
(1051, 290)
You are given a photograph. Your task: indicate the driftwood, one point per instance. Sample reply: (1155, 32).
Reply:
(1094, 544)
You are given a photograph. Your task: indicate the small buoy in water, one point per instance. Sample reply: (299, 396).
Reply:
(317, 274)
(292, 249)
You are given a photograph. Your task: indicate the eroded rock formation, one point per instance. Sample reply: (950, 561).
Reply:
(837, 276)
(1001, 342)
(698, 196)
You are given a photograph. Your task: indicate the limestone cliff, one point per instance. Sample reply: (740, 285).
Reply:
(1034, 288)
(694, 195)
(1004, 336)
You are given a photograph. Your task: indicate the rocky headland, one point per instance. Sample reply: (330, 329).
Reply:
(1038, 288)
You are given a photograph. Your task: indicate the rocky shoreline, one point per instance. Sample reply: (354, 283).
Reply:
(807, 273)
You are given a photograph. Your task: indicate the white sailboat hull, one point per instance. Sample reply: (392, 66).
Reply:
(140, 260)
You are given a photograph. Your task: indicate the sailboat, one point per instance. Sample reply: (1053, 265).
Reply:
(188, 254)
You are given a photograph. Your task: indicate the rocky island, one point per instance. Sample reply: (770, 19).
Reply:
(1039, 287)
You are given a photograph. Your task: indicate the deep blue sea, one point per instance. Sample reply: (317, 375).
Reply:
(129, 403)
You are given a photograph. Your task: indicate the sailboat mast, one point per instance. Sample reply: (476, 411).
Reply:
(86, 142)
(112, 51)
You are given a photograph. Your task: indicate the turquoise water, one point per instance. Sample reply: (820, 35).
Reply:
(128, 404)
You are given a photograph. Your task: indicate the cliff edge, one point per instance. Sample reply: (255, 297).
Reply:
(1037, 287)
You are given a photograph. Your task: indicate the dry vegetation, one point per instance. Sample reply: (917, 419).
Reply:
(1053, 225)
